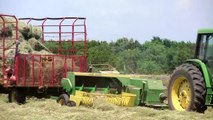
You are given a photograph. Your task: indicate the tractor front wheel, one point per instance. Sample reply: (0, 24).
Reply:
(186, 90)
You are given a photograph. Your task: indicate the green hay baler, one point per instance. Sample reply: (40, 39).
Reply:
(124, 90)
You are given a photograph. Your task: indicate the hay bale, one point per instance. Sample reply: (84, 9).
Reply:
(37, 45)
(30, 31)
(27, 31)
(10, 53)
(24, 48)
(32, 46)
(7, 32)
(47, 68)
(36, 32)
(21, 25)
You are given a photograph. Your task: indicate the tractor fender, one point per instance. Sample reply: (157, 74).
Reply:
(203, 69)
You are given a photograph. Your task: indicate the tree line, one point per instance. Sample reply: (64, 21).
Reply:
(156, 56)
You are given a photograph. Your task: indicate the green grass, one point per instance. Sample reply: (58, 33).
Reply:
(48, 109)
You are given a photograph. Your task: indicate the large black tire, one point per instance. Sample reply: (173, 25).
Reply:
(17, 95)
(63, 99)
(194, 96)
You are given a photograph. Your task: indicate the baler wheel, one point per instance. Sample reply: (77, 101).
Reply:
(186, 90)
(63, 99)
(71, 104)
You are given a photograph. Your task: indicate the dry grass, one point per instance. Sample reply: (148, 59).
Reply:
(48, 109)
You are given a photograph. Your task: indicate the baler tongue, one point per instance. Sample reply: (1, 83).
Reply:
(88, 99)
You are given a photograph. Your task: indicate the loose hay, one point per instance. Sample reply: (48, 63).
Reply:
(101, 104)
(48, 109)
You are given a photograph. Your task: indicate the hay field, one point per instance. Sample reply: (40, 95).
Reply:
(48, 109)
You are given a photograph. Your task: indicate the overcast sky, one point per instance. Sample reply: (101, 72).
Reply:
(112, 19)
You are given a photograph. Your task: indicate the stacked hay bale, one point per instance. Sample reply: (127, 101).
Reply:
(33, 66)
(30, 44)
(25, 33)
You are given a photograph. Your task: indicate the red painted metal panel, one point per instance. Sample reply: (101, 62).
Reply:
(52, 71)
(5, 65)
(33, 80)
(24, 81)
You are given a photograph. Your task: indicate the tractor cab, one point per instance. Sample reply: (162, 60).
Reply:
(204, 48)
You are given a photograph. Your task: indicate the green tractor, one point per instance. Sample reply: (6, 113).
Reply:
(191, 87)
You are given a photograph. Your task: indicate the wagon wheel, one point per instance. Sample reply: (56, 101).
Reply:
(17, 95)
(12, 96)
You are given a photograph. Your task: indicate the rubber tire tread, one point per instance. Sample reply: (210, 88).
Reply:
(197, 85)
(65, 97)
(71, 103)
(20, 97)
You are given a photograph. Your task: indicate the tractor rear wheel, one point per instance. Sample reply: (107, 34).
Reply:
(63, 99)
(186, 89)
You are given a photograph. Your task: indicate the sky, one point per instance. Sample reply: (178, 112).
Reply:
(108, 20)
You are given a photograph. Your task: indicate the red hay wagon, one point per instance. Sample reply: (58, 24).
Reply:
(38, 74)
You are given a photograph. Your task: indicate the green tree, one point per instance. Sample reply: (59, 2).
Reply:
(129, 59)
(154, 52)
(100, 54)
(124, 44)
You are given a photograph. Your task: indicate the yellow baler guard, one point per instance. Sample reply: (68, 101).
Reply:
(84, 98)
